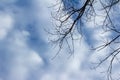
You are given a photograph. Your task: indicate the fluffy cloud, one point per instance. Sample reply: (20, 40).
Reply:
(24, 59)
(21, 40)
(7, 23)
(21, 59)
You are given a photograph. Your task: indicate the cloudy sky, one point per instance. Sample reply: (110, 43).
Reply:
(26, 52)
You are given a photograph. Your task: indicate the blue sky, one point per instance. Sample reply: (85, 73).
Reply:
(25, 51)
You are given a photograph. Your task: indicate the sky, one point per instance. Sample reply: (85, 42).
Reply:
(26, 52)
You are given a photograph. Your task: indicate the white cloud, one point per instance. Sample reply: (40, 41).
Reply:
(6, 23)
(25, 59)
(81, 49)
(18, 72)
(23, 63)
(33, 60)
(62, 68)
(48, 77)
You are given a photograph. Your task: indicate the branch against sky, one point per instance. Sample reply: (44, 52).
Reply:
(24, 49)
(73, 16)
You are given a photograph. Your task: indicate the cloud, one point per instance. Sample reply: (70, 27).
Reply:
(24, 59)
(7, 24)
(23, 64)
(24, 40)
(21, 59)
